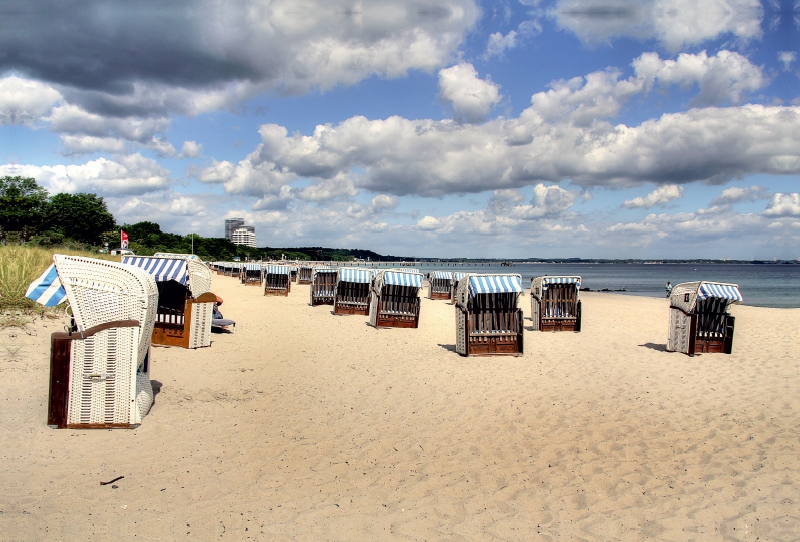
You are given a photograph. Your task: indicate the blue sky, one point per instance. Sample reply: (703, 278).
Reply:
(560, 128)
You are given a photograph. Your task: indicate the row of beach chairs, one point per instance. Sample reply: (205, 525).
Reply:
(100, 365)
(488, 319)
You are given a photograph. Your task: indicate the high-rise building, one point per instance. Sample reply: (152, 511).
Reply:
(232, 224)
(244, 236)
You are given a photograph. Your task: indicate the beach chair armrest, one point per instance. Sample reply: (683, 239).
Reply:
(77, 335)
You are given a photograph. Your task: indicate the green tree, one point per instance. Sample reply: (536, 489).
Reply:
(82, 217)
(22, 204)
(142, 232)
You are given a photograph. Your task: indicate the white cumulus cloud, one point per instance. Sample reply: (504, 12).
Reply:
(125, 174)
(471, 97)
(787, 58)
(783, 205)
(735, 194)
(660, 196)
(24, 101)
(674, 23)
(724, 77)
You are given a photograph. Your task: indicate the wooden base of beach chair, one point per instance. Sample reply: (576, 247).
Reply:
(558, 325)
(351, 309)
(253, 283)
(304, 281)
(707, 346)
(170, 335)
(385, 320)
(504, 345)
(316, 301)
(283, 292)
(439, 295)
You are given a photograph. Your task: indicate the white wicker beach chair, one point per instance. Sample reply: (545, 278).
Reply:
(99, 374)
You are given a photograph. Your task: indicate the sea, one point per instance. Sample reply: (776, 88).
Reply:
(761, 285)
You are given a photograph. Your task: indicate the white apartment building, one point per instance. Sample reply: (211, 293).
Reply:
(244, 236)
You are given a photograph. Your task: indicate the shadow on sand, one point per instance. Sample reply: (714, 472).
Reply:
(653, 346)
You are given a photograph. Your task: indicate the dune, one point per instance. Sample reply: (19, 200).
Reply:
(307, 426)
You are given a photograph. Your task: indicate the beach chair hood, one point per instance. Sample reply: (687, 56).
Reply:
(357, 276)
(398, 277)
(539, 285)
(685, 296)
(192, 273)
(475, 284)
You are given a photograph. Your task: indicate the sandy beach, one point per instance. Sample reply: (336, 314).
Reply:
(305, 426)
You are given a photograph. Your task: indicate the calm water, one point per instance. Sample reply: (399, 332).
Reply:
(761, 285)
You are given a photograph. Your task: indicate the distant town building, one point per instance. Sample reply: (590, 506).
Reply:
(232, 224)
(245, 235)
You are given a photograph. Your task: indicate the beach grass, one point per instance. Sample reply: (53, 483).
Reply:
(21, 265)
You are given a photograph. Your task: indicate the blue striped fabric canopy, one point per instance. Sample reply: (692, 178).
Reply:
(161, 269)
(723, 291)
(325, 270)
(47, 289)
(560, 280)
(396, 278)
(253, 267)
(278, 270)
(442, 274)
(459, 276)
(495, 284)
(359, 276)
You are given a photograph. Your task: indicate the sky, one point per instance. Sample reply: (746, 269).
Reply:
(451, 128)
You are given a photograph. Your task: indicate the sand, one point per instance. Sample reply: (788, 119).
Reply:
(307, 426)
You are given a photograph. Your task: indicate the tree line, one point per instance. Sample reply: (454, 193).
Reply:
(29, 215)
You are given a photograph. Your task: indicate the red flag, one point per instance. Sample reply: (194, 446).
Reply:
(123, 239)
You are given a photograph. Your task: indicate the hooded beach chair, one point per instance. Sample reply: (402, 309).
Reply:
(439, 284)
(304, 274)
(277, 280)
(352, 291)
(185, 305)
(395, 298)
(699, 321)
(556, 303)
(488, 320)
(252, 274)
(99, 367)
(323, 286)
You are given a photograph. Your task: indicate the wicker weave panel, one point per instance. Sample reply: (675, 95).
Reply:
(199, 277)
(373, 309)
(535, 308)
(461, 332)
(101, 379)
(144, 396)
(202, 316)
(678, 332)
